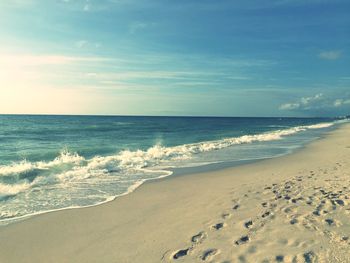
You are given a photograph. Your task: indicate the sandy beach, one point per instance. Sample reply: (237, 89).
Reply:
(294, 208)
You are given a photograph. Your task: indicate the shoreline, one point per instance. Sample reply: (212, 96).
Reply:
(186, 195)
(178, 171)
(186, 172)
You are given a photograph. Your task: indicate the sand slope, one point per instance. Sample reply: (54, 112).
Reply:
(290, 209)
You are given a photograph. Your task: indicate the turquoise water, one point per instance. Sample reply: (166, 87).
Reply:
(56, 162)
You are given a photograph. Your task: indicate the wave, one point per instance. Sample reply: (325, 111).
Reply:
(71, 167)
(9, 190)
(319, 125)
(65, 157)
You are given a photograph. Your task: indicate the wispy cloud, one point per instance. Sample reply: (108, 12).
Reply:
(81, 43)
(318, 101)
(30, 71)
(303, 103)
(136, 26)
(87, 44)
(83, 5)
(177, 78)
(17, 3)
(42, 60)
(117, 73)
(341, 102)
(32, 60)
(290, 106)
(330, 54)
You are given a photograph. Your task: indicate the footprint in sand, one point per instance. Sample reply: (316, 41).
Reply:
(235, 207)
(339, 202)
(196, 239)
(218, 226)
(225, 215)
(279, 258)
(329, 221)
(199, 238)
(344, 238)
(264, 204)
(299, 178)
(181, 253)
(267, 213)
(242, 240)
(310, 257)
(209, 254)
(293, 221)
(248, 224)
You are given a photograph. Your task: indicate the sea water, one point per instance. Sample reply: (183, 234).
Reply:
(56, 162)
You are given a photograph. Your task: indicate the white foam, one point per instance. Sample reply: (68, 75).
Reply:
(16, 168)
(158, 153)
(8, 217)
(80, 169)
(72, 171)
(24, 166)
(139, 159)
(320, 125)
(9, 189)
(64, 158)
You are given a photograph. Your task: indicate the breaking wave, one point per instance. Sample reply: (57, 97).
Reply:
(71, 180)
(73, 167)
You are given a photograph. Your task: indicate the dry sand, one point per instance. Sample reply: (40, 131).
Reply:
(294, 208)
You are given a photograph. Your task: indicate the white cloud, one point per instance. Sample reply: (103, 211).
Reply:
(341, 102)
(338, 103)
(318, 101)
(303, 103)
(289, 106)
(308, 100)
(330, 54)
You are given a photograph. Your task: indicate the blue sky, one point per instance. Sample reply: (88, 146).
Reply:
(153, 57)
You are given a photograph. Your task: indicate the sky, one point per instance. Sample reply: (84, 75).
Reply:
(175, 57)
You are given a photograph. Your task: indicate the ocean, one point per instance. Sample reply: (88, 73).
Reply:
(50, 163)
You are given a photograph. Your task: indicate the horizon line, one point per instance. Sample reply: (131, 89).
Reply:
(168, 116)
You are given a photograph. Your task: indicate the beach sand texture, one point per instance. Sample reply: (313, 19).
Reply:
(294, 208)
